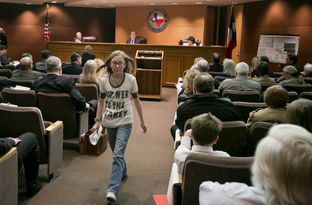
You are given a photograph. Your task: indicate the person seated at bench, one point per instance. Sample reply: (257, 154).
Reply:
(28, 154)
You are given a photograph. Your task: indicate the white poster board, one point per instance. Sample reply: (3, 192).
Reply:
(276, 47)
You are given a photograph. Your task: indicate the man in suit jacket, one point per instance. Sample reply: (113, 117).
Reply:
(75, 67)
(54, 82)
(87, 55)
(133, 39)
(28, 154)
(25, 72)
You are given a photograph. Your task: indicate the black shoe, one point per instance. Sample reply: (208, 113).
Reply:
(33, 189)
(124, 178)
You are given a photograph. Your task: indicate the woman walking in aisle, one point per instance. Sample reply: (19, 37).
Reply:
(117, 88)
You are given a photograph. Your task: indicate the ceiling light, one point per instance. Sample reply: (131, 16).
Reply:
(53, 2)
(28, 3)
(87, 3)
(198, 2)
(174, 3)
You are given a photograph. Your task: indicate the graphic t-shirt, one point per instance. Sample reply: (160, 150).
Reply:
(118, 108)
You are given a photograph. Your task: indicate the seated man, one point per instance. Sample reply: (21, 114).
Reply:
(28, 154)
(41, 65)
(87, 55)
(54, 82)
(132, 38)
(25, 72)
(241, 81)
(204, 101)
(215, 66)
(75, 67)
(78, 38)
(205, 133)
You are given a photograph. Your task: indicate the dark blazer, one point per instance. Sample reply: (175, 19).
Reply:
(53, 83)
(136, 41)
(26, 74)
(72, 69)
(5, 145)
(215, 67)
(85, 57)
(220, 107)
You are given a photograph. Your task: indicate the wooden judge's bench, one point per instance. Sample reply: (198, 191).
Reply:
(176, 59)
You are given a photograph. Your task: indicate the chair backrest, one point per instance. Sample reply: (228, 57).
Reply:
(9, 177)
(59, 106)
(221, 78)
(298, 88)
(292, 95)
(9, 66)
(25, 98)
(265, 85)
(6, 73)
(308, 80)
(246, 107)
(233, 138)
(307, 95)
(257, 131)
(21, 82)
(200, 167)
(76, 78)
(88, 90)
(242, 95)
(15, 121)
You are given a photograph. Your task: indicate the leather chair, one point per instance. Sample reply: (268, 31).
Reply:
(76, 78)
(257, 131)
(292, 95)
(15, 121)
(308, 80)
(242, 95)
(246, 107)
(27, 98)
(221, 78)
(88, 90)
(22, 82)
(9, 177)
(200, 167)
(265, 85)
(6, 73)
(59, 106)
(232, 138)
(307, 95)
(298, 88)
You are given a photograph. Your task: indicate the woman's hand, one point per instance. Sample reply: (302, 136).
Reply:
(144, 128)
(96, 125)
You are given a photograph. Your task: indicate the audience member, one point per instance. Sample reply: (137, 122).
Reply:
(205, 133)
(3, 38)
(292, 59)
(299, 112)
(202, 65)
(25, 71)
(254, 63)
(291, 76)
(276, 97)
(228, 68)
(307, 70)
(78, 38)
(281, 172)
(17, 66)
(198, 59)
(187, 88)
(87, 55)
(101, 70)
(204, 100)
(215, 66)
(28, 155)
(89, 74)
(41, 65)
(75, 67)
(4, 57)
(262, 73)
(54, 82)
(241, 81)
(191, 41)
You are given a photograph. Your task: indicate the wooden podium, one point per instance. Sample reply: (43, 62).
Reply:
(149, 72)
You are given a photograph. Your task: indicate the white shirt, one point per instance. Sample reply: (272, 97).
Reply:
(213, 193)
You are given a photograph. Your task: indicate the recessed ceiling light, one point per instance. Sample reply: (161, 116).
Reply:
(87, 3)
(28, 3)
(198, 2)
(112, 5)
(152, 3)
(174, 3)
(53, 2)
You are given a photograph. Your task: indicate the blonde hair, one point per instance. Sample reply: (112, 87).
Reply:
(283, 165)
(229, 67)
(299, 112)
(188, 81)
(89, 74)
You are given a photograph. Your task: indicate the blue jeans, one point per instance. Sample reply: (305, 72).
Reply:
(118, 139)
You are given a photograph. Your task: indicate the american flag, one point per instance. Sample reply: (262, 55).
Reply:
(231, 35)
(46, 32)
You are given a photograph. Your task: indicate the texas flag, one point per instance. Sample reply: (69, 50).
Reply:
(231, 35)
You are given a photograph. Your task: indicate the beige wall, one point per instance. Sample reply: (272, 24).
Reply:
(183, 22)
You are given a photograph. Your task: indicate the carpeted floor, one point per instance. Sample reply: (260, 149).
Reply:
(82, 180)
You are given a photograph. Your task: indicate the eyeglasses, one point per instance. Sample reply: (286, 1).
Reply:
(115, 63)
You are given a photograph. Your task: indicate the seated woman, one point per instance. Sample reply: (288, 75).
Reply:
(307, 70)
(262, 73)
(187, 87)
(291, 76)
(276, 97)
(229, 67)
(299, 112)
(281, 172)
(89, 74)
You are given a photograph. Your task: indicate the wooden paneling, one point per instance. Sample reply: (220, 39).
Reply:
(176, 58)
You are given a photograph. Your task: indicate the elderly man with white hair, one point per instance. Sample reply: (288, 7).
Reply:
(25, 72)
(307, 70)
(241, 81)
